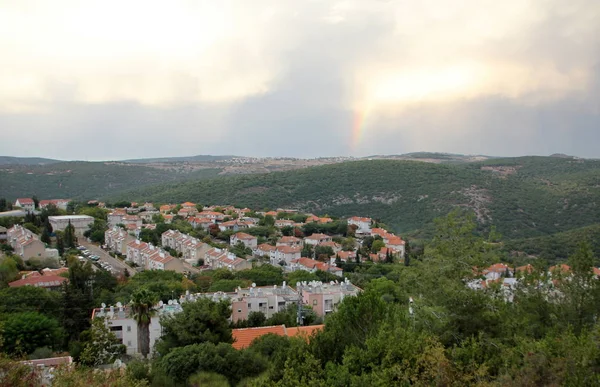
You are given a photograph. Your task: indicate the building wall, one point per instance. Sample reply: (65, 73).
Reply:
(80, 223)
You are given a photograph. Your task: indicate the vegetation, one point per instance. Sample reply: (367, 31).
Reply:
(542, 196)
(85, 180)
(414, 324)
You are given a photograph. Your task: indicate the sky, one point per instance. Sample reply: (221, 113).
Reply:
(110, 80)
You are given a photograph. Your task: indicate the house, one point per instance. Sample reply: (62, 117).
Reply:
(395, 243)
(219, 258)
(497, 271)
(116, 240)
(191, 249)
(232, 225)
(25, 243)
(286, 254)
(248, 240)
(120, 320)
(166, 208)
(26, 204)
(81, 223)
(50, 282)
(161, 260)
(201, 222)
(284, 223)
(188, 205)
(265, 299)
(312, 218)
(315, 239)
(116, 216)
(324, 298)
(168, 218)
(345, 256)
(363, 225)
(243, 337)
(265, 250)
(212, 215)
(312, 266)
(61, 204)
(289, 241)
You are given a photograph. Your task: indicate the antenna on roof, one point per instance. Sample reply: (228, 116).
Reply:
(103, 305)
(253, 285)
(170, 302)
(160, 303)
(119, 305)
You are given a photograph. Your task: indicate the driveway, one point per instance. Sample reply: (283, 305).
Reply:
(116, 263)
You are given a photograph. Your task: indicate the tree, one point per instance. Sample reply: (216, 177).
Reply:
(70, 240)
(256, 319)
(142, 306)
(30, 299)
(45, 236)
(183, 362)
(24, 332)
(3, 206)
(36, 202)
(101, 346)
(377, 245)
(9, 270)
(200, 321)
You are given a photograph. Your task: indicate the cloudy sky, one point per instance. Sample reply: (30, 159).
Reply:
(112, 79)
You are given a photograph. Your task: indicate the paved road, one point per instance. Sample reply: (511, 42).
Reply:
(116, 263)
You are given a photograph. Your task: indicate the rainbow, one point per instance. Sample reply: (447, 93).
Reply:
(359, 124)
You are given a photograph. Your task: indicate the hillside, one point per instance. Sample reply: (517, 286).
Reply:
(523, 197)
(198, 158)
(9, 160)
(556, 247)
(84, 180)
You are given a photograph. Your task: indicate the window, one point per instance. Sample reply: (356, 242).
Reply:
(314, 302)
(128, 328)
(271, 307)
(239, 311)
(129, 343)
(249, 305)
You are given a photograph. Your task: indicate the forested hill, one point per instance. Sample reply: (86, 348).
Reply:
(84, 180)
(523, 197)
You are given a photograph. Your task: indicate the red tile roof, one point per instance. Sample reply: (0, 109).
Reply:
(245, 336)
(244, 236)
(25, 201)
(46, 281)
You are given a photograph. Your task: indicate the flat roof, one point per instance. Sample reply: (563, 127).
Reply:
(67, 217)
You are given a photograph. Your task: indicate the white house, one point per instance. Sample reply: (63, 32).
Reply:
(26, 204)
(247, 239)
(363, 224)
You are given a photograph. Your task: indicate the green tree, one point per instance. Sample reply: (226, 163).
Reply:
(200, 321)
(142, 306)
(70, 239)
(9, 270)
(377, 245)
(30, 299)
(3, 205)
(24, 332)
(36, 202)
(102, 346)
(183, 362)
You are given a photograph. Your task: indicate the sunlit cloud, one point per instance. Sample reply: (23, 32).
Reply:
(349, 69)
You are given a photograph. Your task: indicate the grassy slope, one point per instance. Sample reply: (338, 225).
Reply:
(546, 196)
(84, 180)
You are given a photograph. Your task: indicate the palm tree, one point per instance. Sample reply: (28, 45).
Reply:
(142, 305)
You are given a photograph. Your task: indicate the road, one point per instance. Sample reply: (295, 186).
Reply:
(105, 257)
